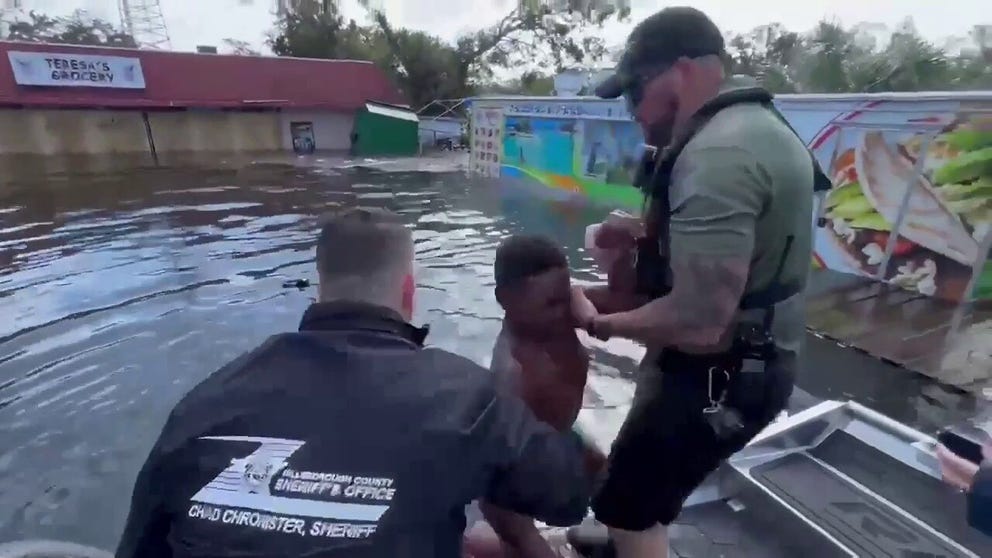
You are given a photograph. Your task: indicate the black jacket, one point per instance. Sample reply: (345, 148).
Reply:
(980, 500)
(346, 439)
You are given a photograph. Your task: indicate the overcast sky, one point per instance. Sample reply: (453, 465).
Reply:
(195, 22)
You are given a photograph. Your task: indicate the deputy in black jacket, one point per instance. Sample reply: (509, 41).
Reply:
(348, 438)
(974, 480)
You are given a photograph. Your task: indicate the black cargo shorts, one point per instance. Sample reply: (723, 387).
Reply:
(665, 448)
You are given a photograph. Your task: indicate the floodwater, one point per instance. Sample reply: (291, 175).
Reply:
(121, 290)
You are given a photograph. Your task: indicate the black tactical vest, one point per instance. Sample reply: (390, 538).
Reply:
(654, 179)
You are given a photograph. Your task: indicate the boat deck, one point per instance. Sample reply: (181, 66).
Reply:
(854, 488)
(862, 498)
(717, 530)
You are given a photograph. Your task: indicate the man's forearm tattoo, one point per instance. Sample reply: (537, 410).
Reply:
(706, 294)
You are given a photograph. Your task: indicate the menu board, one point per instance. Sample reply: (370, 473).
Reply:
(487, 140)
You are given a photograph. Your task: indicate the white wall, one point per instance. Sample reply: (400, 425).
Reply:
(331, 130)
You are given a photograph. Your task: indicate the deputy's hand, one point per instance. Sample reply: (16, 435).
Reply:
(622, 275)
(619, 217)
(600, 327)
(958, 471)
(619, 231)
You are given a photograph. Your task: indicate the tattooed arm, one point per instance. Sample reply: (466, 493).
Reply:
(697, 313)
(717, 196)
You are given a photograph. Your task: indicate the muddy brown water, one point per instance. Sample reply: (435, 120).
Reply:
(121, 289)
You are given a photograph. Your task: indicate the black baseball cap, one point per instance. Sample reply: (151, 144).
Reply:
(663, 38)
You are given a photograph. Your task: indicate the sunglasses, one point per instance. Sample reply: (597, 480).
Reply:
(633, 88)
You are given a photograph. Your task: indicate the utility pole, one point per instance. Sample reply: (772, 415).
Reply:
(7, 9)
(143, 20)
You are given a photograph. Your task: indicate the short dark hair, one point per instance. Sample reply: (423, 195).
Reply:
(362, 242)
(520, 256)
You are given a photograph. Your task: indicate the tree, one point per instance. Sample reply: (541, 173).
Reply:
(829, 59)
(426, 67)
(239, 47)
(863, 58)
(771, 53)
(422, 65)
(531, 83)
(430, 69)
(75, 29)
(536, 83)
(536, 37)
(973, 68)
(319, 35)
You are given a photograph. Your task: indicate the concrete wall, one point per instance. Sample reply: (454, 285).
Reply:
(331, 130)
(195, 130)
(118, 132)
(71, 132)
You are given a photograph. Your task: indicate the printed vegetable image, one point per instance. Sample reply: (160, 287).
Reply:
(948, 214)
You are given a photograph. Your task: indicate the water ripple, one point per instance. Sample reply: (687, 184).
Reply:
(121, 292)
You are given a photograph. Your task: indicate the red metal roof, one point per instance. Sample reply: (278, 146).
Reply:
(183, 79)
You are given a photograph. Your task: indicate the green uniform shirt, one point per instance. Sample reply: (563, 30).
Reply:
(741, 186)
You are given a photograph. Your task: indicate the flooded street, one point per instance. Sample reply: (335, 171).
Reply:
(121, 290)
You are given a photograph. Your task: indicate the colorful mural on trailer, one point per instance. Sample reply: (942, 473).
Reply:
(595, 158)
(486, 138)
(911, 172)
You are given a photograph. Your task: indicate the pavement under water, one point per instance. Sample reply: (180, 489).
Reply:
(121, 289)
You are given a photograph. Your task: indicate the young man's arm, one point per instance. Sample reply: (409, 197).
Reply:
(712, 241)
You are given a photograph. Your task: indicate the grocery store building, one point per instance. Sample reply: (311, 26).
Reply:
(74, 100)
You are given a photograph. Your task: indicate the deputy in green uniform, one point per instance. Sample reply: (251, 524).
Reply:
(716, 285)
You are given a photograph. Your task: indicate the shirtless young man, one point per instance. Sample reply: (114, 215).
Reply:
(539, 357)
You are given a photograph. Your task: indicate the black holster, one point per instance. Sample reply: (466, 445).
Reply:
(742, 370)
